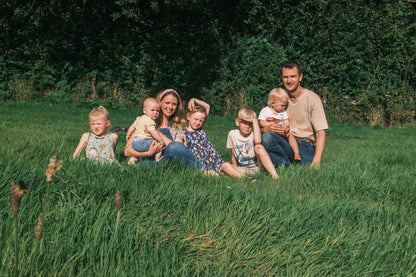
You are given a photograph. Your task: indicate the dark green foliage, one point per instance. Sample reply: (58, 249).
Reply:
(248, 72)
(361, 50)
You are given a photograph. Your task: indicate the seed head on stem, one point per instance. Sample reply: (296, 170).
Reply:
(39, 228)
(53, 167)
(117, 200)
(16, 194)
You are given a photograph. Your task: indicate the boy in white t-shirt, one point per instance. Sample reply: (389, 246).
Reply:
(276, 112)
(245, 145)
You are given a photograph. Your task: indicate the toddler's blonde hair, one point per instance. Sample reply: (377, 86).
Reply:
(99, 112)
(247, 112)
(276, 93)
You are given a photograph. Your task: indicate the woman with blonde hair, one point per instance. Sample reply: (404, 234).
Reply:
(170, 123)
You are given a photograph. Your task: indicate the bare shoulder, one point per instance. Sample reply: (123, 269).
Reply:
(85, 136)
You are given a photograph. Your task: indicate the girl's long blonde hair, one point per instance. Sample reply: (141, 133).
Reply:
(177, 119)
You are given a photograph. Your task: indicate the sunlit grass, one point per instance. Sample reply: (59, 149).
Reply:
(354, 216)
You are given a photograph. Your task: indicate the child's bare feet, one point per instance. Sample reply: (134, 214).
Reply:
(132, 161)
(296, 159)
(158, 156)
(211, 172)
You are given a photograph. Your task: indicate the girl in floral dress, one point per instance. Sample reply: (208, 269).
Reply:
(200, 145)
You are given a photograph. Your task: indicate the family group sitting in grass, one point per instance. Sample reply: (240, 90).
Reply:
(290, 129)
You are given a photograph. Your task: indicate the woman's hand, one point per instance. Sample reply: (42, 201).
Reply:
(153, 149)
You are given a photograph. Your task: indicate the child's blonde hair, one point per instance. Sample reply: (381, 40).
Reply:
(199, 109)
(276, 93)
(99, 112)
(247, 112)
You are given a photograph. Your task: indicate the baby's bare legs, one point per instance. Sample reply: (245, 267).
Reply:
(294, 145)
(265, 160)
(132, 161)
(165, 139)
(158, 156)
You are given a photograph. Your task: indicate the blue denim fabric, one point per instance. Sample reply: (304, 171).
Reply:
(178, 151)
(141, 145)
(166, 132)
(278, 148)
(175, 151)
(281, 153)
(306, 151)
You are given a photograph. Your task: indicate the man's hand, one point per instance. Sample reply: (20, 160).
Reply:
(275, 128)
(316, 162)
(319, 148)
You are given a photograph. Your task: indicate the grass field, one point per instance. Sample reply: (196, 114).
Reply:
(353, 216)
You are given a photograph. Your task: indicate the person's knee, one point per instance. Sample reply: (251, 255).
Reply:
(174, 147)
(259, 149)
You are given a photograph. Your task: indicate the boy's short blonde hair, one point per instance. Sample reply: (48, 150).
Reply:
(99, 112)
(276, 93)
(247, 112)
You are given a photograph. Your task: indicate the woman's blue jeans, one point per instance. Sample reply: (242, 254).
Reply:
(178, 151)
(281, 153)
(175, 151)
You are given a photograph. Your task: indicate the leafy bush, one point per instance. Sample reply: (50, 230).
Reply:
(228, 52)
(249, 70)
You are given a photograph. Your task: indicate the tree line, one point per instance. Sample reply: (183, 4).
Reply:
(360, 54)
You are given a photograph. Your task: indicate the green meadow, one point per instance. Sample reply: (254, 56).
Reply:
(353, 216)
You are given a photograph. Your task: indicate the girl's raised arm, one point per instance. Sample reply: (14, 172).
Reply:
(81, 145)
(196, 102)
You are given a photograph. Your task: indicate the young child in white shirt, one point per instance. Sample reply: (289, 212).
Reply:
(245, 145)
(275, 112)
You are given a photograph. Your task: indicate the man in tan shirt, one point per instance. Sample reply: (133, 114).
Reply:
(307, 123)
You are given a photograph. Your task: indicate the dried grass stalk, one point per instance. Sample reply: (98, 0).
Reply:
(39, 228)
(117, 200)
(16, 194)
(53, 167)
